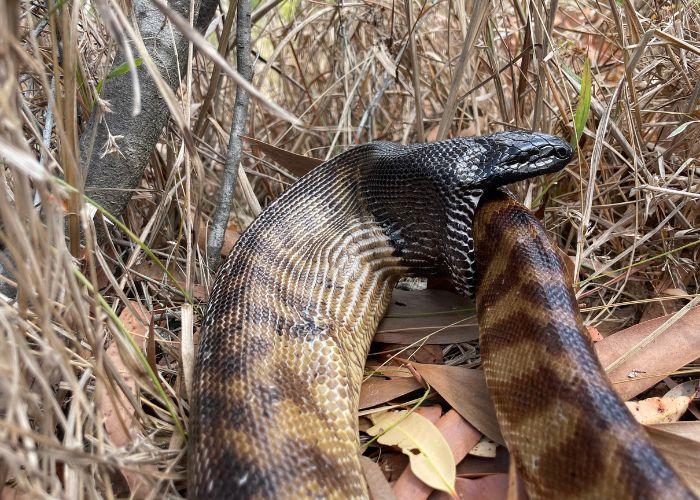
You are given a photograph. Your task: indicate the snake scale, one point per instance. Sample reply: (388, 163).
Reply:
(292, 313)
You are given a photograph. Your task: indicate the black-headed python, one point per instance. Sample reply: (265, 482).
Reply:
(293, 310)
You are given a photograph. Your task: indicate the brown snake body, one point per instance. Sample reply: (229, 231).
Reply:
(293, 310)
(566, 429)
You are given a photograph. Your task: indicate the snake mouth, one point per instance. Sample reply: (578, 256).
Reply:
(536, 160)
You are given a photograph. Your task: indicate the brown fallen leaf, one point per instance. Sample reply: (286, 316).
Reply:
(676, 347)
(493, 487)
(445, 336)
(655, 309)
(388, 369)
(460, 436)
(231, 236)
(432, 413)
(378, 390)
(414, 315)
(683, 455)
(296, 164)
(473, 466)
(688, 430)
(569, 262)
(379, 488)
(594, 334)
(11, 493)
(431, 134)
(118, 411)
(392, 465)
(154, 272)
(689, 388)
(200, 292)
(658, 410)
(465, 390)
(426, 353)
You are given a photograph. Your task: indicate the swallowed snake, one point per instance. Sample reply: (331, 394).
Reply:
(293, 310)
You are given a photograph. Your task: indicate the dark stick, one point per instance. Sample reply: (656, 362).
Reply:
(244, 65)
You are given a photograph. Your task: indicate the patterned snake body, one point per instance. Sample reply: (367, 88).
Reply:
(293, 310)
(566, 429)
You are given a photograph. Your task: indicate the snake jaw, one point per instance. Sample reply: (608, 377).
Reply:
(489, 163)
(515, 156)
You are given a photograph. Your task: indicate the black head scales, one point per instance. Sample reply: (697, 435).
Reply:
(425, 195)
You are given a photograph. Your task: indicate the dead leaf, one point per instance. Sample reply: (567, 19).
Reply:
(491, 487)
(594, 334)
(484, 448)
(431, 134)
(689, 388)
(378, 390)
(231, 236)
(379, 488)
(569, 263)
(432, 413)
(297, 164)
(427, 353)
(473, 466)
(683, 455)
(393, 465)
(136, 320)
(388, 369)
(465, 390)
(414, 315)
(200, 292)
(430, 456)
(659, 410)
(676, 347)
(12, 493)
(152, 271)
(117, 410)
(459, 433)
(663, 307)
(688, 430)
(461, 437)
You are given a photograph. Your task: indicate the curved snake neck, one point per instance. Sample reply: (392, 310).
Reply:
(293, 310)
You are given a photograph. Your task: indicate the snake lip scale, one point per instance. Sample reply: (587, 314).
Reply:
(293, 309)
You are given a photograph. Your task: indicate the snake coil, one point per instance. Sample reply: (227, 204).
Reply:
(293, 310)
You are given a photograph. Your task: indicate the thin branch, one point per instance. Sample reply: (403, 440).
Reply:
(238, 127)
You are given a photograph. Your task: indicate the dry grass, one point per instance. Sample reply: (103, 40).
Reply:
(626, 210)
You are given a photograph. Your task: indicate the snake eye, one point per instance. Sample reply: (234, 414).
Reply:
(562, 152)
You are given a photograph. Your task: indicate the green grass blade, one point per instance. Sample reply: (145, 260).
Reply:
(139, 353)
(583, 107)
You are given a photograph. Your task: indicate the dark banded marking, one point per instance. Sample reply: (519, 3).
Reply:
(567, 430)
